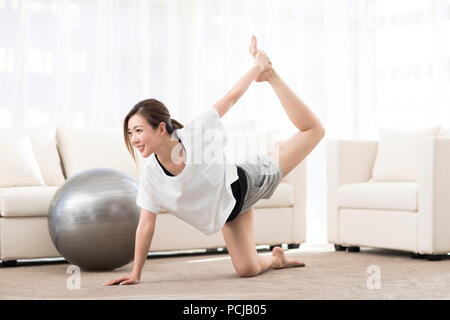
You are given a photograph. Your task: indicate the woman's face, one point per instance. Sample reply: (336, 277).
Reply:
(142, 136)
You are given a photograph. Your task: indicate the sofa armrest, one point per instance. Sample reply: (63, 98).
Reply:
(433, 221)
(297, 179)
(348, 161)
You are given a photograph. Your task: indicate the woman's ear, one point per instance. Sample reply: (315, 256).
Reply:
(162, 128)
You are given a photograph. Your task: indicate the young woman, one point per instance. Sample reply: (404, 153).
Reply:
(214, 195)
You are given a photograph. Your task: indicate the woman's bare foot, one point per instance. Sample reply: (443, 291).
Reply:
(283, 261)
(253, 49)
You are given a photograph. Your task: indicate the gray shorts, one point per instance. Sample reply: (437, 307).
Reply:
(263, 174)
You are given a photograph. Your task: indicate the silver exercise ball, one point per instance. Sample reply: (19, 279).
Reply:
(93, 217)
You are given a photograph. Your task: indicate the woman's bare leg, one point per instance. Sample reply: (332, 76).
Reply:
(294, 150)
(239, 239)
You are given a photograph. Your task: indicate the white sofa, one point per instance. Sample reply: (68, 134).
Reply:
(390, 205)
(40, 160)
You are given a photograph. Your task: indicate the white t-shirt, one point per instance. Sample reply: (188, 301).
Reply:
(201, 194)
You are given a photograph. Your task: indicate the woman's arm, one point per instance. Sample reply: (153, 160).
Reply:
(223, 105)
(260, 65)
(144, 236)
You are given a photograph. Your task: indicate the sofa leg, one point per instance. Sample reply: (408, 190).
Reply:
(293, 245)
(417, 256)
(275, 245)
(216, 250)
(434, 257)
(338, 247)
(10, 263)
(353, 249)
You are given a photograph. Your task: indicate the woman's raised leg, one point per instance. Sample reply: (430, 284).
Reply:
(239, 239)
(294, 150)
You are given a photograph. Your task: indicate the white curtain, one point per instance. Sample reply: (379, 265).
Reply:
(358, 64)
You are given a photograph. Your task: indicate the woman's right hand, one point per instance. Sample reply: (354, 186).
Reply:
(262, 61)
(125, 280)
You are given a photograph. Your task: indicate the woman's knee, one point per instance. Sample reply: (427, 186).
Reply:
(246, 271)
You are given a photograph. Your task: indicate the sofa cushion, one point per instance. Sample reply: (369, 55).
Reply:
(83, 149)
(398, 153)
(445, 132)
(43, 140)
(35, 201)
(18, 164)
(26, 201)
(282, 197)
(402, 196)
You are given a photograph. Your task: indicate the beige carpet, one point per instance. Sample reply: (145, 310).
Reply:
(327, 275)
